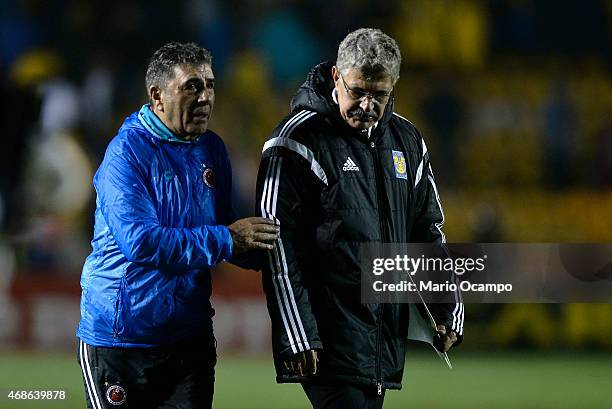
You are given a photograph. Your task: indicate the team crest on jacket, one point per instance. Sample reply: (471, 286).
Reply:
(116, 395)
(209, 177)
(400, 165)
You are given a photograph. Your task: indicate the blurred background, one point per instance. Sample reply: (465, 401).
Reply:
(514, 98)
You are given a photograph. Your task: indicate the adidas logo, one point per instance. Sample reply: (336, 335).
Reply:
(350, 165)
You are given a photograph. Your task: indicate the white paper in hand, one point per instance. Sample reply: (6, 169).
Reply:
(424, 330)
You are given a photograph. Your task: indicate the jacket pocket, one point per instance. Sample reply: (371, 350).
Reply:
(118, 304)
(145, 313)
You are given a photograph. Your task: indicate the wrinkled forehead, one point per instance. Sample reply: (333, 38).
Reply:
(184, 72)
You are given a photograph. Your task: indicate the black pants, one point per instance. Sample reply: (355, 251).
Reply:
(179, 376)
(340, 396)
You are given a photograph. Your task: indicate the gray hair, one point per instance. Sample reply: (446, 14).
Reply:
(371, 52)
(162, 63)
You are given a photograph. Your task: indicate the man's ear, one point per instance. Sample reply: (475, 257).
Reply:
(335, 74)
(155, 95)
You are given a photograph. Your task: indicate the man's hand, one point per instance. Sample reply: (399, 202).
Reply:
(443, 341)
(302, 364)
(253, 233)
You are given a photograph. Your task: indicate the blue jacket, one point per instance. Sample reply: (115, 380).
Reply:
(161, 209)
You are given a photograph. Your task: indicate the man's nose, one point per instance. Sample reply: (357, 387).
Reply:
(366, 103)
(204, 95)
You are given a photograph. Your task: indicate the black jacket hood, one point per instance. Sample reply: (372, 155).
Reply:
(315, 94)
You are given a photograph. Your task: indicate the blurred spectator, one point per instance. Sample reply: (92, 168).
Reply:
(96, 99)
(485, 223)
(602, 156)
(213, 28)
(18, 31)
(444, 112)
(19, 112)
(573, 27)
(558, 136)
(58, 173)
(7, 308)
(443, 33)
(513, 26)
(248, 95)
(287, 45)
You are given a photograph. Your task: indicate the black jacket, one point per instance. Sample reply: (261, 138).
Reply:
(333, 188)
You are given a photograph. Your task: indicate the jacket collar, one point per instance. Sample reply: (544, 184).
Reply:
(153, 124)
(316, 94)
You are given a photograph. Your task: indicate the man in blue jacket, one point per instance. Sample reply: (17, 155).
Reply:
(163, 219)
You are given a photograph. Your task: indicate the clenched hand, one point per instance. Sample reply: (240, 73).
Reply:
(444, 339)
(253, 233)
(302, 364)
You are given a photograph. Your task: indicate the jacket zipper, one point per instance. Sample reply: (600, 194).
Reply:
(381, 221)
(379, 381)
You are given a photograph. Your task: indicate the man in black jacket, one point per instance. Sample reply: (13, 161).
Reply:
(343, 170)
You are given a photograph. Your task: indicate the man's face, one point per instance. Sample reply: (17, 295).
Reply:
(185, 104)
(362, 100)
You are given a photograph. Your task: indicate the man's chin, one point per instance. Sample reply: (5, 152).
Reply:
(198, 127)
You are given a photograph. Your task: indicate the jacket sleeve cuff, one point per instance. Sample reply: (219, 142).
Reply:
(452, 325)
(301, 347)
(227, 249)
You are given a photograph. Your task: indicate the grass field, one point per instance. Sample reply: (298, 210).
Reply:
(478, 381)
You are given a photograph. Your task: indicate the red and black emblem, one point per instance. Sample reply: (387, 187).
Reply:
(209, 177)
(116, 395)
